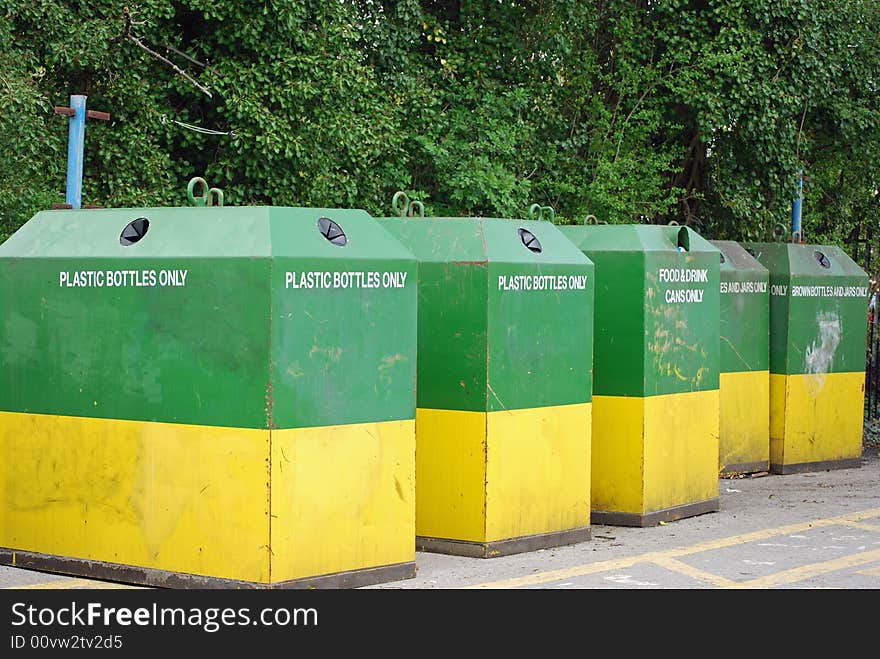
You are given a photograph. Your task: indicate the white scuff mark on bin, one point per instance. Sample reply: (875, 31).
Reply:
(820, 353)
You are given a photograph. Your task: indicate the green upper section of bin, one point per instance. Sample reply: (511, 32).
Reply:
(231, 316)
(738, 263)
(215, 232)
(818, 308)
(657, 308)
(745, 310)
(505, 313)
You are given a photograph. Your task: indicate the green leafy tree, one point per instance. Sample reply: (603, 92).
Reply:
(702, 112)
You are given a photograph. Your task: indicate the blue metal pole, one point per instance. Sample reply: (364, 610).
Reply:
(75, 139)
(796, 209)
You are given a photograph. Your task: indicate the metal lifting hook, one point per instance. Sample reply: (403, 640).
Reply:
(404, 207)
(209, 196)
(538, 212)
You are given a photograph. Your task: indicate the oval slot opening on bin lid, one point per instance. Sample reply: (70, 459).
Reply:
(684, 240)
(721, 254)
(822, 259)
(529, 240)
(332, 231)
(134, 231)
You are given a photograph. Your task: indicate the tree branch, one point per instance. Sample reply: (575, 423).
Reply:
(126, 34)
(187, 57)
(174, 66)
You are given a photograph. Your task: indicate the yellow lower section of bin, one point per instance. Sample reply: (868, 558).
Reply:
(654, 453)
(816, 418)
(451, 474)
(484, 477)
(343, 498)
(196, 499)
(174, 497)
(744, 422)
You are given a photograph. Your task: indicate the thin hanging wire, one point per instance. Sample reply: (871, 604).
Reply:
(197, 129)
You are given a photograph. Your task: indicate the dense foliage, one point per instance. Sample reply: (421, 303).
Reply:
(700, 112)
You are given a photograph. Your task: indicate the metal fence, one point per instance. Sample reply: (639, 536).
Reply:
(861, 252)
(872, 371)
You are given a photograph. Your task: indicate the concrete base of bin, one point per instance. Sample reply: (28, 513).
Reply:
(730, 471)
(503, 547)
(611, 518)
(152, 578)
(824, 465)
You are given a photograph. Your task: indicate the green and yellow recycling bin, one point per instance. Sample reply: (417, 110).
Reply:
(744, 380)
(504, 385)
(655, 374)
(818, 327)
(208, 397)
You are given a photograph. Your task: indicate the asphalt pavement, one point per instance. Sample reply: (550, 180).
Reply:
(809, 530)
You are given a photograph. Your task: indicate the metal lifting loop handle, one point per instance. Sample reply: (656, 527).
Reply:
(538, 212)
(399, 203)
(780, 230)
(402, 205)
(194, 200)
(209, 197)
(215, 197)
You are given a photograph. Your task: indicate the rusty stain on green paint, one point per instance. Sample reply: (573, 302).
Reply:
(657, 309)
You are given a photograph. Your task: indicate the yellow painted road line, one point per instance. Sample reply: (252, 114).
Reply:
(64, 584)
(568, 573)
(773, 532)
(721, 543)
(871, 572)
(806, 571)
(693, 572)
